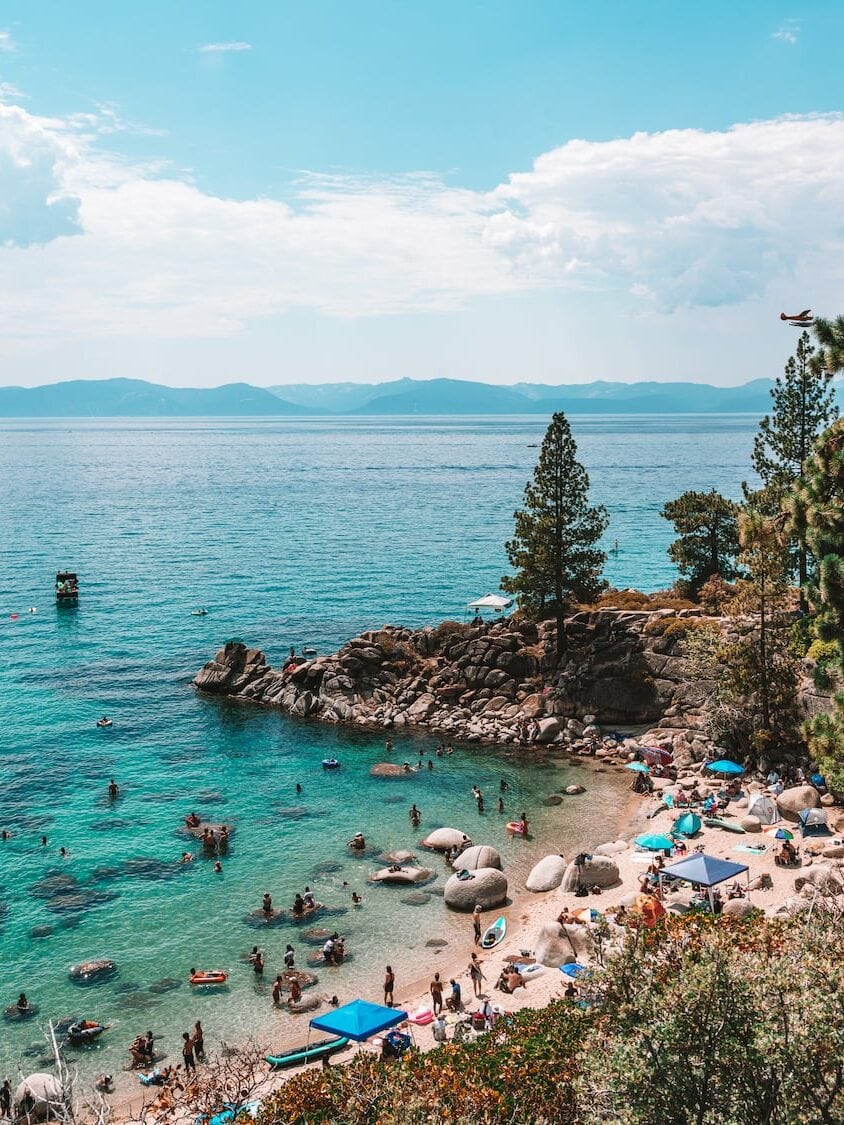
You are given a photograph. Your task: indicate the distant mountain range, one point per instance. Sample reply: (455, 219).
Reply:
(110, 398)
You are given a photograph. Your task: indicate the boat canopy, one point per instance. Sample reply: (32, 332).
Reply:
(491, 601)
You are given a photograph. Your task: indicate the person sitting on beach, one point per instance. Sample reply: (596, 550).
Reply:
(394, 868)
(439, 1030)
(565, 918)
(514, 980)
(192, 820)
(455, 1001)
(621, 915)
(298, 904)
(308, 899)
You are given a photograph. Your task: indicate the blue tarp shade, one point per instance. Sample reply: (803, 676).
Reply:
(573, 969)
(359, 1020)
(705, 870)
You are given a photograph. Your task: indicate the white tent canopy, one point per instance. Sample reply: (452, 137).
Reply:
(491, 601)
(763, 808)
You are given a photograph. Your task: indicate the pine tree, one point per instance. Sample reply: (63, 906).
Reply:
(707, 543)
(803, 406)
(761, 671)
(830, 336)
(818, 519)
(554, 547)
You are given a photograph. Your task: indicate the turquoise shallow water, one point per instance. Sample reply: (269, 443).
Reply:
(290, 532)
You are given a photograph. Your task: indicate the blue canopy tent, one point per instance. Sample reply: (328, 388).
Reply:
(359, 1020)
(706, 871)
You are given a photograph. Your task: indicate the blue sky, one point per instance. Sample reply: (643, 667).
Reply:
(203, 191)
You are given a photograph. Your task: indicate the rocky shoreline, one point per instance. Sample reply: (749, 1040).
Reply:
(500, 682)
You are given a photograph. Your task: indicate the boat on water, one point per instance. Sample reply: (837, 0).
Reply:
(311, 1052)
(67, 587)
(199, 612)
(85, 1031)
(208, 977)
(105, 721)
(495, 933)
(330, 764)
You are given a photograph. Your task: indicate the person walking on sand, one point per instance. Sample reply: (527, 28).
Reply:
(437, 994)
(6, 1099)
(476, 974)
(389, 985)
(187, 1052)
(476, 923)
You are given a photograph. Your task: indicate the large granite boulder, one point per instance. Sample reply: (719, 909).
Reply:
(404, 876)
(614, 847)
(552, 947)
(441, 839)
(486, 887)
(750, 823)
(548, 729)
(737, 907)
(599, 871)
(791, 802)
(822, 876)
(479, 855)
(547, 874)
(387, 769)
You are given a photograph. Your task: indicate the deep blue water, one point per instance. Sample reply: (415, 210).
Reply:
(290, 533)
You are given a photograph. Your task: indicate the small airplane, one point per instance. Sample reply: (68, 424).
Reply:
(802, 319)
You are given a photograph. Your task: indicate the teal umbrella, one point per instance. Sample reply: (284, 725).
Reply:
(638, 767)
(725, 766)
(687, 824)
(654, 842)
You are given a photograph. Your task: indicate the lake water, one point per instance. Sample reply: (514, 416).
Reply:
(290, 532)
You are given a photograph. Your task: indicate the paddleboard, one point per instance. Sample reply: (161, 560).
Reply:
(495, 934)
(727, 825)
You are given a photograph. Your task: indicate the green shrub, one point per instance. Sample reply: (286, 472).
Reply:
(822, 652)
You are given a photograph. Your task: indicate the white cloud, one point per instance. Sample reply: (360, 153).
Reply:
(10, 93)
(653, 224)
(787, 32)
(7, 43)
(223, 48)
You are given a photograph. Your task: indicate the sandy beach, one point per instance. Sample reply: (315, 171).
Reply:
(528, 916)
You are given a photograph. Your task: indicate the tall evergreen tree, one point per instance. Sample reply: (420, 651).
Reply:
(707, 543)
(760, 669)
(818, 518)
(554, 548)
(803, 406)
(830, 336)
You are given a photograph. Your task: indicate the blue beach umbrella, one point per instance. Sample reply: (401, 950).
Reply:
(725, 766)
(654, 842)
(638, 767)
(687, 824)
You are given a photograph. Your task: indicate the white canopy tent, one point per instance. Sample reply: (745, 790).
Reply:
(494, 602)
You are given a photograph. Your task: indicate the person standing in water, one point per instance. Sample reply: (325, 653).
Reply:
(289, 957)
(199, 1041)
(187, 1053)
(113, 789)
(389, 985)
(267, 903)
